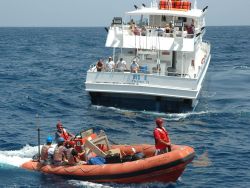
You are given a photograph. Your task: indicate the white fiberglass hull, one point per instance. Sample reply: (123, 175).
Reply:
(141, 92)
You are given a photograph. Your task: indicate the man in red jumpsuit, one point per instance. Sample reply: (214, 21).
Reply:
(162, 140)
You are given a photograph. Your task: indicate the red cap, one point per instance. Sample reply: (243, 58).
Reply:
(159, 121)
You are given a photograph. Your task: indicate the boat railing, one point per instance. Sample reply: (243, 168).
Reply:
(145, 71)
(150, 38)
(151, 80)
(148, 31)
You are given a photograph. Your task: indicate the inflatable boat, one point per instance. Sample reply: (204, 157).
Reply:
(166, 167)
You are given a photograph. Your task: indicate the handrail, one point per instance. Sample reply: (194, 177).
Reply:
(156, 32)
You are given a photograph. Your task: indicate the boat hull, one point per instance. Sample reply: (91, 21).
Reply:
(161, 168)
(142, 102)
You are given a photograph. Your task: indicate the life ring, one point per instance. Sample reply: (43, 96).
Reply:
(203, 60)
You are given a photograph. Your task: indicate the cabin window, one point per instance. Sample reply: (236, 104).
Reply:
(117, 21)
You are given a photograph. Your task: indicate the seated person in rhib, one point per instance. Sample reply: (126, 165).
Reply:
(72, 154)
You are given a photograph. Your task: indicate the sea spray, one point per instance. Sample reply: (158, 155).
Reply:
(17, 157)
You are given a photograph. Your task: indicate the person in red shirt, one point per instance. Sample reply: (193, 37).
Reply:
(162, 140)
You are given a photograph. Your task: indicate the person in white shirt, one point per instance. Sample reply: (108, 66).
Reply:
(110, 65)
(121, 65)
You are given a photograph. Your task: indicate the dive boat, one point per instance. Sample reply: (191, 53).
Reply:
(166, 167)
(165, 40)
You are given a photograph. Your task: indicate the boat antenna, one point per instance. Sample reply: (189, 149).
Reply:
(136, 7)
(203, 10)
(107, 29)
(195, 4)
(38, 136)
(154, 3)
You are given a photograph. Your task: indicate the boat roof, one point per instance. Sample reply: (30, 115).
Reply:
(193, 13)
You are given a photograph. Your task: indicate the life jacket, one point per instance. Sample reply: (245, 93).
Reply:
(64, 134)
(59, 154)
(71, 159)
(44, 152)
(163, 136)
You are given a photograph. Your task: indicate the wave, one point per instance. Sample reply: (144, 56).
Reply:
(78, 183)
(202, 161)
(241, 67)
(208, 94)
(166, 116)
(16, 158)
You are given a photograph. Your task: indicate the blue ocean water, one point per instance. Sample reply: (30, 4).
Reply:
(43, 70)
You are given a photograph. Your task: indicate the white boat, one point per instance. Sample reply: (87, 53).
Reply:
(166, 41)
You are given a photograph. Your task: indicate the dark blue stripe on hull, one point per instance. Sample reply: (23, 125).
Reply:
(141, 102)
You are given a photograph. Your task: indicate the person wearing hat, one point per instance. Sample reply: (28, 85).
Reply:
(60, 152)
(62, 132)
(110, 65)
(47, 151)
(134, 67)
(162, 140)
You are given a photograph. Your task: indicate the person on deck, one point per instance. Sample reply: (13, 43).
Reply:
(134, 67)
(110, 65)
(162, 140)
(121, 65)
(190, 30)
(99, 65)
(62, 132)
(72, 154)
(60, 153)
(47, 152)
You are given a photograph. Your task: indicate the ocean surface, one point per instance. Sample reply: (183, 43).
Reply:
(42, 75)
